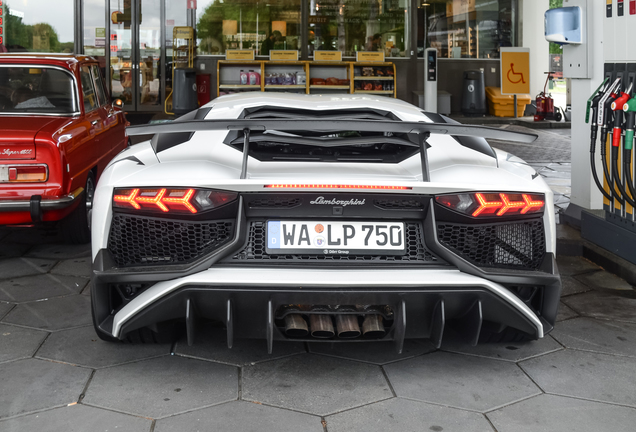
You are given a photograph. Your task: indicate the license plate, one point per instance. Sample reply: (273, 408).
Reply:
(335, 238)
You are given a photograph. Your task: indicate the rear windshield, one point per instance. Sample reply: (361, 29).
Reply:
(36, 90)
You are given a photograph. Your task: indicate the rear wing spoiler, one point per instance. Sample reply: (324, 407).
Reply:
(421, 129)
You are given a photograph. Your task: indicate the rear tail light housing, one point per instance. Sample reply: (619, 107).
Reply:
(171, 200)
(33, 173)
(493, 204)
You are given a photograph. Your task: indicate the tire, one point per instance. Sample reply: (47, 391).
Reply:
(76, 227)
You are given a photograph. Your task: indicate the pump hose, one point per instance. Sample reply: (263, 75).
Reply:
(593, 163)
(606, 172)
(627, 169)
(618, 179)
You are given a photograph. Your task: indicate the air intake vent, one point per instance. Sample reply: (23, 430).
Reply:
(398, 204)
(140, 241)
(516, 245)
(275, 203)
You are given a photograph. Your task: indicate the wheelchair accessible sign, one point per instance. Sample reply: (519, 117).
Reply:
(515, 71)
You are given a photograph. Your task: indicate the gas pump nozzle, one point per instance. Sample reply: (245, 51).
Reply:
(617, 108)
(629, 108)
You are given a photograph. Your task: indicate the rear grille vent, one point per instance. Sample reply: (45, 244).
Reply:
(398, 204)
(516, 245)
(139, 241)
(255, 250)
(274, 203)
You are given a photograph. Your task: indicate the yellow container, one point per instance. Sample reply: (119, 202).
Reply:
(504, 106)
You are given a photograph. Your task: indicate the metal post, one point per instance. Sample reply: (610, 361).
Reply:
(515, 102)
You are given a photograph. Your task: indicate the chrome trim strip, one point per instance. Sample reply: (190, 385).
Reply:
(45, 204)
(229, 277)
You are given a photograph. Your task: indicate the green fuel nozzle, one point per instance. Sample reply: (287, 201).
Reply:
(629, 108)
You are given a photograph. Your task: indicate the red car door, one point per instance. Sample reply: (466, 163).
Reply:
(114, 137)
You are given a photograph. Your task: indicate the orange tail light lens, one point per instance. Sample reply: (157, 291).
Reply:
(24, 173)
(489, 204)
(171, 200)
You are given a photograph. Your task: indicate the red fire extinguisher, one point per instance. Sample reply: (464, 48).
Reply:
(545, 103)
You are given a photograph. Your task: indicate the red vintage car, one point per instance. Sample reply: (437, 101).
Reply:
(58, 131)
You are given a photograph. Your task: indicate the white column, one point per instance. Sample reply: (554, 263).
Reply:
(531, 19)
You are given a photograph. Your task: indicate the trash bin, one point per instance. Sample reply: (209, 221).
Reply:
(203, 88)
(184, 93)
(474, 93)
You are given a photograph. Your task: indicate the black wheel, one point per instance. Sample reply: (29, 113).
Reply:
(76, 227)
(558, 117)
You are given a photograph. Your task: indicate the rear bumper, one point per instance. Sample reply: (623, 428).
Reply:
(37, 204)
(424, 301)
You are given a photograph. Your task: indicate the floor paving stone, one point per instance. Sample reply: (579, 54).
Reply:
(77, 418)
(572, 286)
(604, 280)
(565, 313)
(406, 416)
(59, 251)
(314, 384)
(460, 381)
(162, 386)
(18, 267)
(586, 375)
(32, 236)
(212, 345)
(556, 413)
(81, 346)
(377, 353)
(53, 314)
(600, 336)
(619, 305)
(27, 384)
(572, 265)
(40, 287)
(18, 342)
(512, 351)
(240, 416)
(75, 266)
(12, 249)
(5, 308)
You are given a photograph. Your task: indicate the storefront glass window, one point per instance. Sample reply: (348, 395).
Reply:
(35, 26)
(94, 28)
(247, 24)
(466, 28)
(360, 25)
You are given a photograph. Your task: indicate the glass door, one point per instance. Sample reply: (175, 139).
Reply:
(136, 54)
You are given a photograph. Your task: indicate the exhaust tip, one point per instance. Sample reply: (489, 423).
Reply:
(348, 327)
(321, 326)
(372, 327)
(296, 326)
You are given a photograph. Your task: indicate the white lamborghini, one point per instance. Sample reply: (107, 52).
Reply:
(322, 218)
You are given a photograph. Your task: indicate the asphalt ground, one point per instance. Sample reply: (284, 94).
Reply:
(57, 375)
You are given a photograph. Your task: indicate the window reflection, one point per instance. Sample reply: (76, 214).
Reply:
(359, 25)
(33, 25)
(247, 24)
(466, 28)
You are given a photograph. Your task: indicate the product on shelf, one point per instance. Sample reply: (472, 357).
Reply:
(244, 78)
(332, 81)
(301, 78)
(377, 85)
(254, 77)
(367, 71)
(368, 86)
(317, 81)
(343, 82)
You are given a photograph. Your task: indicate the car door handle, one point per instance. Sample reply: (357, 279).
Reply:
(94, 122)
(111, 113)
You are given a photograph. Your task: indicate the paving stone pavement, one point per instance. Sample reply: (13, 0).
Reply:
(56, 374)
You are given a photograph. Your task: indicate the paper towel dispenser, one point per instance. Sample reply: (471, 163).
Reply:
(564, 25)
